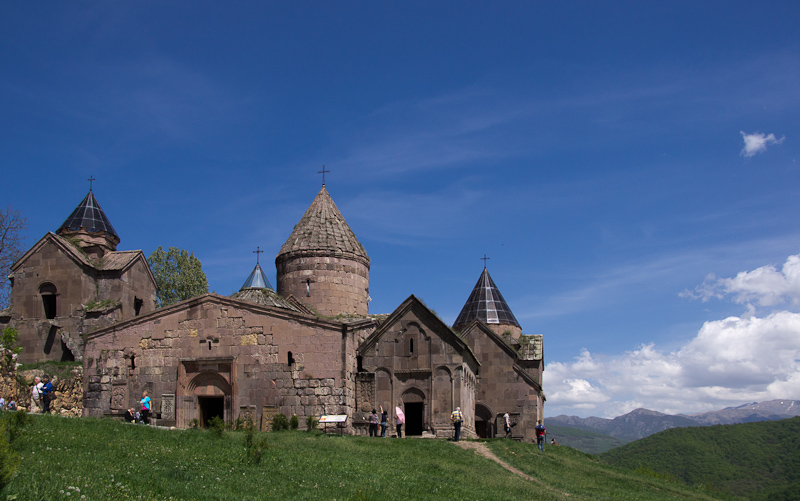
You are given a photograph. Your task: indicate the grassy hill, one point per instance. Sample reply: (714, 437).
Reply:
(97, 459)
(755, 460)
(585, 441)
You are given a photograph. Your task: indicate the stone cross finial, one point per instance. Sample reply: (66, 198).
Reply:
(323, 171)
(257, 252)
(91, 178)
(484, 260)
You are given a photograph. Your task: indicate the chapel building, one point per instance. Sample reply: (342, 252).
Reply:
(309, 348)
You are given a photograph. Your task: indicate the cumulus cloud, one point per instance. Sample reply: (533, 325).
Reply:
(757, 143)
(729, 362)
(765, 286)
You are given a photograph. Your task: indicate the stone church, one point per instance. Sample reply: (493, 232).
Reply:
(309, 347)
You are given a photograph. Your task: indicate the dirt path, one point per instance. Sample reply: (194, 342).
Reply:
(484, 451)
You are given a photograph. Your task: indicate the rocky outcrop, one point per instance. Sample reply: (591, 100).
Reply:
(68, 386)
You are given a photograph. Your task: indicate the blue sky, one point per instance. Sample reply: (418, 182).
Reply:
(629, 169)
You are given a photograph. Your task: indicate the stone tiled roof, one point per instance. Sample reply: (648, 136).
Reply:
(264, 297)
(111, 261)
(322, 231)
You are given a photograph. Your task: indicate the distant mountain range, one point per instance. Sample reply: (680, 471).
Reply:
(641, 423)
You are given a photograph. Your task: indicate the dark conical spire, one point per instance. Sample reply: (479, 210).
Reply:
(90, 216)
(486, 304)
(256, 280)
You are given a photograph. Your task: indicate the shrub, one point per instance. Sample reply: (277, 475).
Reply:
(216, 425)
(14, 422)
(311, 423)
(294, 422)
(254, 446)
(280, 422)
(9, 459)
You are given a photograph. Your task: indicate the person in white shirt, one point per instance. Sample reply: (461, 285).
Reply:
(36, 395)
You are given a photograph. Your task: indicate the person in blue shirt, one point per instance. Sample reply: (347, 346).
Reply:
(47, 394)
(145, 407)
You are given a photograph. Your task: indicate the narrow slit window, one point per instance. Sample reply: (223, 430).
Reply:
(290, 359)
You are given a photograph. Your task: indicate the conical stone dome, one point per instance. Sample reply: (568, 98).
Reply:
(323, 231)
(322, 264)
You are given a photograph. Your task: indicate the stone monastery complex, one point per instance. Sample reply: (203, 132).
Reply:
(308, 347)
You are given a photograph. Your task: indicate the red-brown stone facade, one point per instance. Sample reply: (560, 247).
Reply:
(332, 283)
(215, 354)
(506, 383)
(415, 362)
(59, 294)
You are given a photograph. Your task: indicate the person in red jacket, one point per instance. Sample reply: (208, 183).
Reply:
(541, 434)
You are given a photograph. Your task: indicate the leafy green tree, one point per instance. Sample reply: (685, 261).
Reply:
(12, 228)
(9, 345)
(179, 275)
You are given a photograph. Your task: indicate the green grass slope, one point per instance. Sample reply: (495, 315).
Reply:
(583, 440)
(755, 460)
(92, 459)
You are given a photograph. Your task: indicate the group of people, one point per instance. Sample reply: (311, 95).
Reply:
(382, 420)
(42, 394)
(457, 418)
(143, 414)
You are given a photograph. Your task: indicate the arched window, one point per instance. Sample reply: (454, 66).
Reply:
(49, 299)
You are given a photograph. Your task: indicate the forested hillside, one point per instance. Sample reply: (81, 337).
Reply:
(755, 460)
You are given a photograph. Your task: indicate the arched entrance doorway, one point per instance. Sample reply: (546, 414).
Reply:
(484, 425)
(213, 395)
(414, 408)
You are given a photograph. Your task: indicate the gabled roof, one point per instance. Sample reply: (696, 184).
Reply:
(426, 316)
(257, 280)
(210, 297)
(111, 261)
(90, 216)
(486, 304)
(323, 231)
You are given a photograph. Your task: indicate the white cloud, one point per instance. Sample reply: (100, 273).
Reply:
(729, 362)
(757, 143)
(765, 286)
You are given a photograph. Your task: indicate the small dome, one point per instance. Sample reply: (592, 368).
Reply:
(256, 280)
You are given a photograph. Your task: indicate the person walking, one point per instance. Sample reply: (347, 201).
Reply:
(384, 421)
(457, 418)
(541, 435)
(47, 393)
(400, 419)
(36, 395)
(145, 401)
(507, 424)
(373, 423)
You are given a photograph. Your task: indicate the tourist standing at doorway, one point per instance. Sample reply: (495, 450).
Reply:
(507, 424)
(541, 435)
(145, 401)
(36, 395)
(47, 393)
(400, 419)
(384, 420)
(373, 423)
(457, 418)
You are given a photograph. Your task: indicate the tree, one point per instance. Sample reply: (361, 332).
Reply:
(12, 226)
(179, 275)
